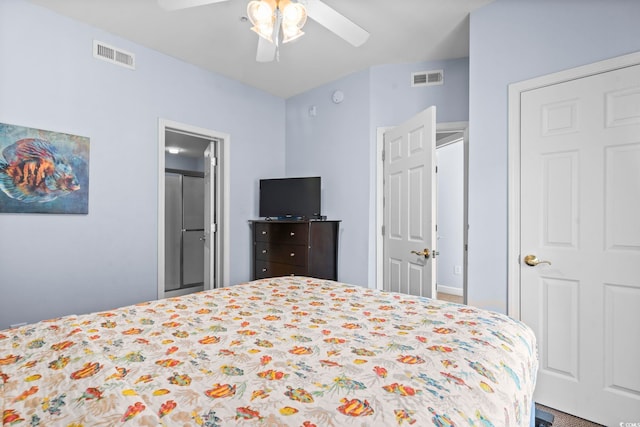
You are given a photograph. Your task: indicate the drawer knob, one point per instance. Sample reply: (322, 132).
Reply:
(264, 251)
(264, 232)
(292, 234)
(264, 270)
(292, 254)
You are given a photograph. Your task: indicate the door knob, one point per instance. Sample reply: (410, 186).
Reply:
(425, 253)
(533, 260)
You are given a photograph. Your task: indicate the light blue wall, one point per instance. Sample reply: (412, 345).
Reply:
(339, 144)
(53, 265)
(511, 41)
(393, 100)
(334, 144)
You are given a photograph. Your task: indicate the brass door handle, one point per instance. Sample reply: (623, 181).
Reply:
(425, 253)
(533, 260)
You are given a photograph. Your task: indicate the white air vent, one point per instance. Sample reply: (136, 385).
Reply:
(114, 55)
(427, 78)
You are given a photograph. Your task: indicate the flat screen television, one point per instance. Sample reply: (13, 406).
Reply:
(297, 198)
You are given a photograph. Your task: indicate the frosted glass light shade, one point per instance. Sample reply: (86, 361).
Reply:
(265, 14)
(294, 16)
(262, 15)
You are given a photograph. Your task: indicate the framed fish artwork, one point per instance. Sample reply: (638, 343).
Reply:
(43, 171)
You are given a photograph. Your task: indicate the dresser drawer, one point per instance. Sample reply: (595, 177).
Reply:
(283, 232)
(300, 248)
(282, 253)
(264, 269)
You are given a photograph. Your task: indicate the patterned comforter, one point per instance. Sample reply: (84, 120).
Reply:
(276, 352)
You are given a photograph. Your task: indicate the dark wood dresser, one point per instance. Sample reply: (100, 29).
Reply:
(295, 248)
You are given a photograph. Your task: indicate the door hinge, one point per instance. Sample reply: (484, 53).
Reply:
(214, 161)
(383, 155)
(214, 228)
(383, 230)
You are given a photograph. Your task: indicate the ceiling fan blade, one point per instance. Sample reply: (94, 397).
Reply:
(266, 50)
(335, 22)
(185, 4)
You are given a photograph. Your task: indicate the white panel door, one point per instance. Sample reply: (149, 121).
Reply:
(409, 206)
(580, 211)
(209, 216)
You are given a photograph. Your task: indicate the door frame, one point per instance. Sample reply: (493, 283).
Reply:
(222, 253)
(379, 222)
(513, 161)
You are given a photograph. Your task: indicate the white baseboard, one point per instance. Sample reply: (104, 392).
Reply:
(449, 290)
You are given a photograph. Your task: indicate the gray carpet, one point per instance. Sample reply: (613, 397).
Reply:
(565, 420)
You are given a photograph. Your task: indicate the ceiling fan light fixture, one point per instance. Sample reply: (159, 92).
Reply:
(294, 16)
(264, 30)
(290, 33)
(261, 13)
(265, 15)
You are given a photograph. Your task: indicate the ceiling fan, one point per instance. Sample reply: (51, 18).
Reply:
(277, 28)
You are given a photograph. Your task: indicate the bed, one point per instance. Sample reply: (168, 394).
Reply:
(291, 351)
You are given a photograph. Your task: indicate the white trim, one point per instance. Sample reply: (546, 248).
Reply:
(513, 195)
(440, 127)
(379, 208)
(223, 193)
(451, 290)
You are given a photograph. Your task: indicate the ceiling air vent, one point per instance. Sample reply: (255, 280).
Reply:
(114, 55)
(427, 78)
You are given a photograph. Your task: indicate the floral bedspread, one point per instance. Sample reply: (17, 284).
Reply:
(289, 351)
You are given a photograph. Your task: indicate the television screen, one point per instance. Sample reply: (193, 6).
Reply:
(290, 197)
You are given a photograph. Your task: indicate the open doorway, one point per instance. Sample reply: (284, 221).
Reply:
(446, 134)
(450, 160)
(184, 221)
(192, 209)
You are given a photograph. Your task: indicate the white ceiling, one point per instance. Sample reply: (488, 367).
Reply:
(217, 38)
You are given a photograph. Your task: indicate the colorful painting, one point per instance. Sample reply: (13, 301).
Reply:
(43, 171)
